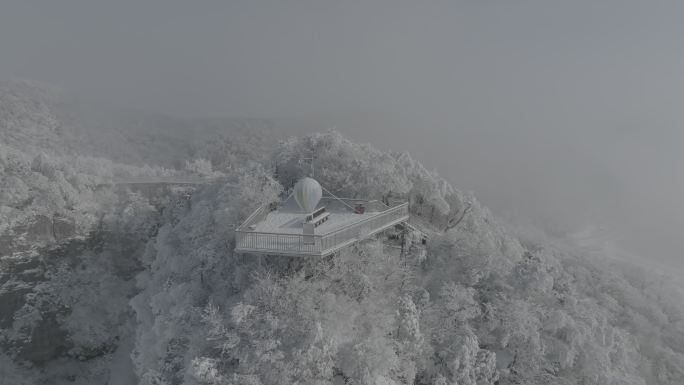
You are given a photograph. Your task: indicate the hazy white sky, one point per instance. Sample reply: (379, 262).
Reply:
(560, 112)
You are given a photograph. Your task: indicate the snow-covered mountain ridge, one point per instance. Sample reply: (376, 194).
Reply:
(156, 279)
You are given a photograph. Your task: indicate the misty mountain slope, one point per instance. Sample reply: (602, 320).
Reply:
(30, 116)
(134, 137)
(52, 197)
(55, 154)
(477, 308)
(65, 307)
(67, 258)
(155, 277)
(37, 118)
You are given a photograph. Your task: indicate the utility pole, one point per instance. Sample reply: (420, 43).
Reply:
(403, 244)
(311, 162)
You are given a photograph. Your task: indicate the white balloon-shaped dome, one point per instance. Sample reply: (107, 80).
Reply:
(307, 193)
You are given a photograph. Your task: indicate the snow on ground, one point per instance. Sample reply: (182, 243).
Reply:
(289, 219)
(292, 222)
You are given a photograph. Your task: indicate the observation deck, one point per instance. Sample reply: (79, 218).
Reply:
(278, 230)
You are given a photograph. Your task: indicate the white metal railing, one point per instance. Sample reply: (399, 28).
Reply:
(257, 216)
(364, 228)
(300, 244)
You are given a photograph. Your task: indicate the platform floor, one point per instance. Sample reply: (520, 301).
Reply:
(290, 222)
(280, 232)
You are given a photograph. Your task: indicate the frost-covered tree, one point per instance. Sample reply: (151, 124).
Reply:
(377, 175)
(478, 308)
(475, 306)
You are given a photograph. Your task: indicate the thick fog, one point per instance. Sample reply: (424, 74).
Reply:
(563, 115)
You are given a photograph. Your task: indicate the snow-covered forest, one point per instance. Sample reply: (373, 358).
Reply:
(108, 283)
